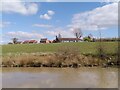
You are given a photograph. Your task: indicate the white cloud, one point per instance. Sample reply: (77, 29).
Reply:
(52, 33)
(50, 12)
(59, 30)
(43, 25)
(109, 1)
(106, 1)
(99, 18)
(17, 6)
(4, 24)
(25, 35)
(47, 15)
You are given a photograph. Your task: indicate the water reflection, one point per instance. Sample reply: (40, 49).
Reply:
(60, 78)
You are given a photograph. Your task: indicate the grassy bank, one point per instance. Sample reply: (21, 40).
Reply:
(83, 47)
(82, 54)
(57, 60)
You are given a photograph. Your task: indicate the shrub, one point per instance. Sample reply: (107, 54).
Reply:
(87, 39)
(67, 52)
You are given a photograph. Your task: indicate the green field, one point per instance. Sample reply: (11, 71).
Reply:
(83, 47)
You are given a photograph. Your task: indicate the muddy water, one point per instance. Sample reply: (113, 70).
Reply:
(59, 78)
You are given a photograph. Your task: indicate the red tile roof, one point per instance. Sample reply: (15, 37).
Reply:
(27, 41)
(30, 41)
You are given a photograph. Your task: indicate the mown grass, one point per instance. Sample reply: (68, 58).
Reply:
(83, 47)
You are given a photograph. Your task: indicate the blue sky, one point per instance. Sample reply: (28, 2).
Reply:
(47, 19)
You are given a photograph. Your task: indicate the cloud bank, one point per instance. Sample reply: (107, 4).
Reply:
(42, 25)
(99, 18)
(17, 6)
(25, 35)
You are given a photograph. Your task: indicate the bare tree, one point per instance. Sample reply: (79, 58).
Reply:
(77, 32)
(59, 35)
(14, 40)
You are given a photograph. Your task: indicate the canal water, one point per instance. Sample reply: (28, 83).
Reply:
(60, 78)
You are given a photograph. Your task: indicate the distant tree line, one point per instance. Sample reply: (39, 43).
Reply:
(108, 39)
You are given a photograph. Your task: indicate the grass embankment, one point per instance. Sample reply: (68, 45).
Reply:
(60, 55)
(83, 47)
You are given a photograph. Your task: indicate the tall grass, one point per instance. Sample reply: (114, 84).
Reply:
(54, 60)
